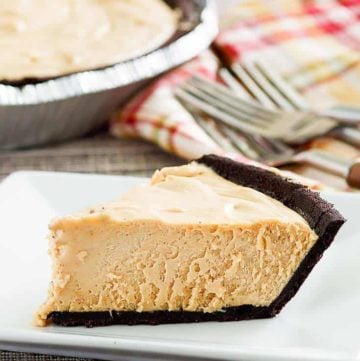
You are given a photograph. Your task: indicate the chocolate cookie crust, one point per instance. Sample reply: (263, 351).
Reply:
(321, 216)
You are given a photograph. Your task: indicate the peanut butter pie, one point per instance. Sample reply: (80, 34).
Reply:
(43, 39)
(213, 240)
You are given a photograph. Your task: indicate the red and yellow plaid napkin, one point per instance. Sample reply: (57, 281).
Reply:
(157, 116)
(313, 44)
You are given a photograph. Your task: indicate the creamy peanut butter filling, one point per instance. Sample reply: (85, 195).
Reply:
(48, 38)
(189, 240)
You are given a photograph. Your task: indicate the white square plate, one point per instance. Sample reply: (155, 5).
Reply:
(322, 322)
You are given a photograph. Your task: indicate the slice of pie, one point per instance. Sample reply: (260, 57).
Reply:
(214, 240)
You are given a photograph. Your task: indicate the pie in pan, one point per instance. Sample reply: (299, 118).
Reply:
(47, 39)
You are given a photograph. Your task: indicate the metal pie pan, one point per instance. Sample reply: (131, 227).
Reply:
(35, 112)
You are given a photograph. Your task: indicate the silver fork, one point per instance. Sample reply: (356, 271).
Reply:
(248, 116)
(257, 69)
(273, 92)
(274, 153)
(223, 104)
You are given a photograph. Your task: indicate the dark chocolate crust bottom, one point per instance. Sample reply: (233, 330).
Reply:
(321, 216)
(91, 319)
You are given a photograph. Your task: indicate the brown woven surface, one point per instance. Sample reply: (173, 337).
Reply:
(96, 154)
(17, 356)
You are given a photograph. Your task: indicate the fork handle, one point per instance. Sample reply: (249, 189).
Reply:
(348, 135)
(345, 168)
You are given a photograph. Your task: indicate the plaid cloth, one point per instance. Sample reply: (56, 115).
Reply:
(157, 116)
(313, 44)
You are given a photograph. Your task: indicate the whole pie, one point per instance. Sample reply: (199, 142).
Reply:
(44, 39)
(213, 240)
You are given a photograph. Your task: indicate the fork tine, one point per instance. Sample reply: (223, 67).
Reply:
(268, 87)
(218, 132)
(254, 88)
(265, 148)
(226, 95)
(281, 147)
(228, 119)
(285, 88)
(234, 84)
(280, 127)
(225, 105)
(252, 146)
(241, 141)
(213, 131)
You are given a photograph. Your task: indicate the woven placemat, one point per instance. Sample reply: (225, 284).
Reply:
(95, 154)
(17, 356)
